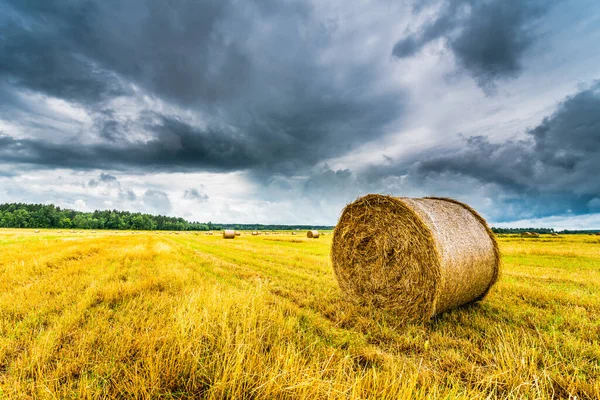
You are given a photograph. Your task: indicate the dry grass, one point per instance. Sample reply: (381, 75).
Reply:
(191, 316)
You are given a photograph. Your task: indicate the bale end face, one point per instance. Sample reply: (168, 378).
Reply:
(418, 257)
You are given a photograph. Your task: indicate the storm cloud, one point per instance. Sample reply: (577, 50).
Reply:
(551, 170)
(556, 164)
(269, 104)
(212, 85)
(489, 38)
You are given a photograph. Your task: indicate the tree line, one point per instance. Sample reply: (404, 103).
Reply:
(48, 216)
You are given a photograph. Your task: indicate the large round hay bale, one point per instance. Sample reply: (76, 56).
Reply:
(228, 234)
(312, 234)
(526, 234)
(238, 233)
(419, 257)
(254, 233)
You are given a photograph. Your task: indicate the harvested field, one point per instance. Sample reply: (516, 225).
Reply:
(190, 316)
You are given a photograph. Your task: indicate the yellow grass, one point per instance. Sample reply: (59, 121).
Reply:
(150, 315)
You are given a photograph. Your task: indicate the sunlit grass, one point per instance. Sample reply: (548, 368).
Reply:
(189, 315)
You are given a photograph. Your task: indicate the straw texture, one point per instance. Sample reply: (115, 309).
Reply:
(419, 257)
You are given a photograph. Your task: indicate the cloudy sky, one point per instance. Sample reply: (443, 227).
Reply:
(276, 111)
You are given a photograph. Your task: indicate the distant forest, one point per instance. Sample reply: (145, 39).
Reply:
(19, 215)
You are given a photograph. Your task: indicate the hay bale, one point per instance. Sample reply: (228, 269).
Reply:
(238, 233)
(228, 234)
(418, 257)
(534, 234)
(554, 234)
(36, 231)
(312, 234)
(597, 233)
(254, 233)
(526, 234)
(293, 233)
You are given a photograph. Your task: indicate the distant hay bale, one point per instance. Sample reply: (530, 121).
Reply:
(597, 233)
(312, 234)
(294, 233)
(534, 234)
(526, 234)
(254, 233)
(418, 257)
(238, 233)
(58, 231)
(36, 231)
(554, 234)
(228, 234)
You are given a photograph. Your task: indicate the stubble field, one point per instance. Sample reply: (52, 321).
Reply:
(157, 315)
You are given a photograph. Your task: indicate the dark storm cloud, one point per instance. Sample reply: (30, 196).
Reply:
(552, 171)
(489, 38)
(252, 72)
(39, 53)
(556, 166)
(174, 145)
(196, 195)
